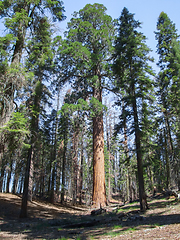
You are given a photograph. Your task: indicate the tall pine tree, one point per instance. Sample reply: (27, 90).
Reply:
(133, 79)
(166, 36)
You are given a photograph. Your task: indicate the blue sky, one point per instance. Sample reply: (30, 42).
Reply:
(146, 11)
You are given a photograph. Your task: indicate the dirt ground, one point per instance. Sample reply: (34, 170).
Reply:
(47, 221)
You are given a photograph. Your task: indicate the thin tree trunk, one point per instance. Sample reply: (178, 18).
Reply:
(2, 175)
(42, 173)
(20, 187)
(109, 160)
(49, 172)
(63, 171)
(9, 177)
(81, 171)
(75, 162)
(114, 164)
(142, 194)
(31, 172)
(169, 149)
(167, 162)
(23, 212)
(126, 150)
(15, 181)
(16, 173)
(54, 172)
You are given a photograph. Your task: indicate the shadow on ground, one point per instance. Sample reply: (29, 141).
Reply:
(48, 221)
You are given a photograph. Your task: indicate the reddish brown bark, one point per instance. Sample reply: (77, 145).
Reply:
(99, 189)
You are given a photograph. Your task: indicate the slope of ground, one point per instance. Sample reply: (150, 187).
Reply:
(47, 221)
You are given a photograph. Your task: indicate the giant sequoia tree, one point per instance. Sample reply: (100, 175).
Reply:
(132, 78)
(85, 56)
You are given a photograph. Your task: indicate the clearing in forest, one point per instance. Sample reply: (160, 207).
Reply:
(47, 221)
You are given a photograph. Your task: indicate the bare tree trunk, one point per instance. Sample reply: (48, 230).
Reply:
(31, 180)
(99, 189)
(23, 212)
(81, 171)
(167, 162)
(126, 150)
(63, 171)
(14, 185)
(54, 175)
(9, 176)
(114, 164)
(20, 187)
(42, 173)
(1, 147)
(109, 160)
(16, 173)
(75, 162)
(52, 199)
(169, 151)
(49, 178)
(142, 194)
(2, 175)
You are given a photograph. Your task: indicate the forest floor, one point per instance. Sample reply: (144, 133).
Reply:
(47, 221)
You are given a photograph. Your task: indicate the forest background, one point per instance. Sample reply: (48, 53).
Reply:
(57, 146)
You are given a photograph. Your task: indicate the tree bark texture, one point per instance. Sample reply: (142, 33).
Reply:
(63, 169)
(109, 160)
(23, 212)
(99, 189)
(142, 194)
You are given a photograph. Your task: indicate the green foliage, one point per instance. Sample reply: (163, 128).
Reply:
(97, 108)
(18, 18)
(56, 9)
(166, 36)
(88, 44)
(132, 73)
(18, 123)
(70, 108)
(16, 131)
(5, 43)
(40, 46)
(166, 32)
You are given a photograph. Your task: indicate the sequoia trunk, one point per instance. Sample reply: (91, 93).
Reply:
(99, 190)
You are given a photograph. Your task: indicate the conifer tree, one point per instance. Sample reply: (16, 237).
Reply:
(20, 19)
(39, 63)
(166, 36)
(132, 78)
